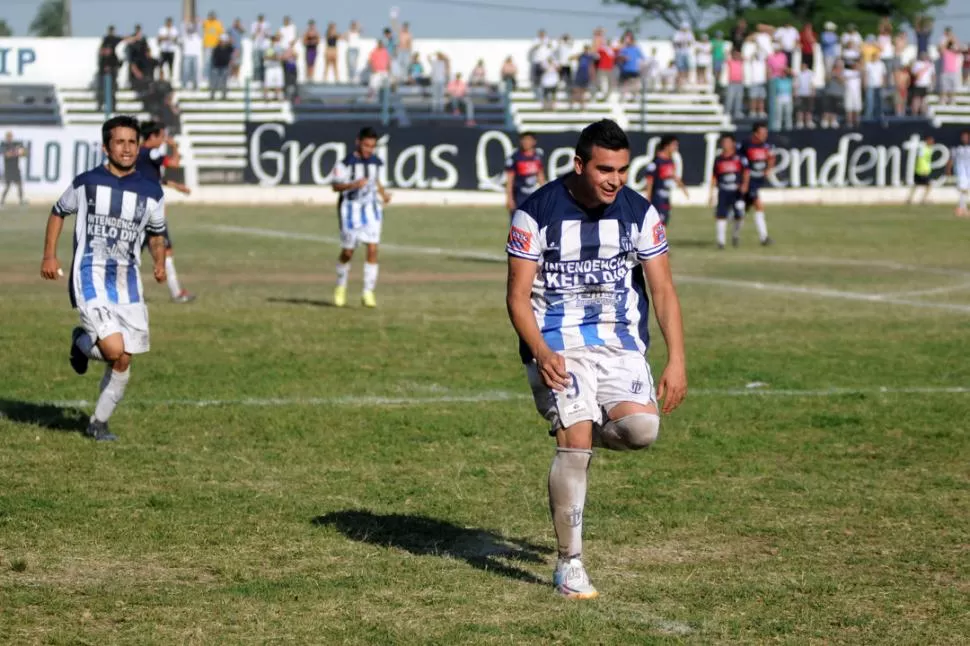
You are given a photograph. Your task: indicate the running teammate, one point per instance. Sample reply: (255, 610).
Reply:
(159, 151)
(728, 184)
(356, 178)
(11, 151)
(582, 252)
(116, 206)
(761, 164)
(662, 177)
(524, 172)
(959, 165)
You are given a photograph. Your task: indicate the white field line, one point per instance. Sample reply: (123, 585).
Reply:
(500, 396)
(936, 290)
(892, 299)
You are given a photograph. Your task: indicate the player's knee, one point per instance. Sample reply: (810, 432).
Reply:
(346, 255)
(634, 432)
(122, 363)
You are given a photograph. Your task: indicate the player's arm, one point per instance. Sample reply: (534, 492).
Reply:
(383, 192)
(509, 188)
(949, 164)
(672, 387)
(542, 175)
(155, 230)
(65, 206)
(683, 187)
(745, 180)
(648, 187)
(551, 365)
(713, 191)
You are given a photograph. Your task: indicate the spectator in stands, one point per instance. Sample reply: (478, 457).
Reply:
(805, 97)
(788, 38)
(290, 57)
(875, 81)
(784, 102)
(379, 65)
(538, 57)
(923, 27)
(830, 46)
(758, 89)
(564, 58)
(739, 35)
(191, 56)
(260, 33)
(11, 151)
(903, 80)
(477, 78)
(650, 71)
(950, 71)
(108, 65)
(704, 58)
(683, 46)
(416, 75)
(236, 33)
(458, 97)
(718, 57)
(763, 38)
(853, 94)
(170, 115)
(900, 43)
(168, 36)
(833, 95)
(440, 72)
(668, 77)
(777, 63)
(807, 40)
(405, 45)
(221, 60)
(390, 44)
(212, 29)
(870, 49)
(140, 62)
(966, 65)
(273, 63)
(287, 33)
(851, 45)
(924, 77)
(631, 60)
(549, 82)
(585, 71)
(353, 51)
(734, 96)
(885, 41)
(330, 53)
(510, 74)
(311, 41)
(605, 64)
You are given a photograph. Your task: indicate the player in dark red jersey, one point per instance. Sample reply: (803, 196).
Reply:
(524, 172)
(662, 177)
(729, 184)
(761, 164)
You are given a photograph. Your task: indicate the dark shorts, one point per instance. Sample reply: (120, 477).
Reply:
(725, 205)
(628, 76)
(921, 180)
(168, 239)
(168, 58)
(12, 177)
(753, 194)
(919, 92)
(311, 55)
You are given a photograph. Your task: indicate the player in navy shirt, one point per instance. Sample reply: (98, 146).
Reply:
(662, 177)
(583, 251)
(524, 172)
(729, 183)
(158, 151)
(761, 163)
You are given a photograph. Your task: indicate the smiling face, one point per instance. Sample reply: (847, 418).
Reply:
(122, 148)
(604, 174)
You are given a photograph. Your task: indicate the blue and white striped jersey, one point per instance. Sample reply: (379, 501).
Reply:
(589, 289)
(113, 214)
(358, 207)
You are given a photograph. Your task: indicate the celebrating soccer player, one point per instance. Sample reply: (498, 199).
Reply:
(356, 178)
(729, 183)
(159, 151)
(761, 163)
(662, 177)
(524, 173)
(582, 251)
(116, 206)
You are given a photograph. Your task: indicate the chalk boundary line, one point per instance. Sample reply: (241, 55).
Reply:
(501, 396)
(884, 298)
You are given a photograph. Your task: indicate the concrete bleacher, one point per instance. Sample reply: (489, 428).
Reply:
(29, 105)
(955, 113)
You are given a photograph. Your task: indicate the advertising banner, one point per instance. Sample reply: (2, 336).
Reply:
(54, 156)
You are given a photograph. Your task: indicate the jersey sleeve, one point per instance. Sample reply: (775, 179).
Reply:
(653, 236)
(524, 237)
(67, 204)
(340, 173)
(510, 163)
(156, 219)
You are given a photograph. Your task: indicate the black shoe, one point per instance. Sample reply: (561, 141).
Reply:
(79, 361)
(735, 241)
(720, 246)
(98, 431)
(766, 242)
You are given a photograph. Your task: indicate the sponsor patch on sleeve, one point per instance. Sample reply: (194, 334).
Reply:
(520, 240)
(659, 233)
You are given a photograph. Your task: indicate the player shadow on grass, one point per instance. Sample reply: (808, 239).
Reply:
(300, 301)
(421, 535)
(49, 416)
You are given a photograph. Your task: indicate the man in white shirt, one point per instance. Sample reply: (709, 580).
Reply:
(168, 35)
(287, 32)
(564, 54)
(805, 97)
(539, 55)
(853, 94)
(758, 86)
(683, 46)
(260, 34)
(703, 59)
(875, 82)
(787, 37)
(924, 77)
(191, 56)
(851, 45)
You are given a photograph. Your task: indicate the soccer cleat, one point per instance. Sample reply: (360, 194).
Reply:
(339, 296)
(98, 431)
(571, 581)
(79, 360)
(720, 246)
(735, 240)
(183, 297)
(766, 242)
(368, 299)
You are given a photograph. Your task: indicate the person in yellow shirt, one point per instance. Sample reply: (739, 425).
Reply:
(871, 50)
(212, 31)
(923, 169)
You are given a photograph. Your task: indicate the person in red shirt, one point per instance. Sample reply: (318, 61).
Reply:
(605, 66)
(379, 62)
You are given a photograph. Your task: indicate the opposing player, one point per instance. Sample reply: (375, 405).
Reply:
(116, 206)
(761, 164)
(581, 253)
(662, 177)
(524, 172)
(923, 170)
(959, 165)
(729, 183)
(12, 151)
(159, 151)
(356, 178)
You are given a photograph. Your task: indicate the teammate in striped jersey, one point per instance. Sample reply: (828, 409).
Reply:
(959, 165)
(357, 180)
(115, 208)
(582, 251)
(159, 151)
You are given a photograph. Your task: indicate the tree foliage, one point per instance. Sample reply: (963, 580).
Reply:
(5, 30)
(51, 19)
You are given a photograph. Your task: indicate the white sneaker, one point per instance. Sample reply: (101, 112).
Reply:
(571, 581)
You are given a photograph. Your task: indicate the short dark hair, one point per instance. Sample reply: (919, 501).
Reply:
(758, 125)
(121, 121)
(151, 128)
(367, 133)
(728, 135)
(666, 140)
(603, 133)
(527, 133)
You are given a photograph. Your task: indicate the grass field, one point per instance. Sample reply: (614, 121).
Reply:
(292, 473)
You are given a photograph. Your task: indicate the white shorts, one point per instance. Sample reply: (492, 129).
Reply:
(273, 79)
(853, 102)
(131, 321)
(963, 181)
(378, 80)
(370, 233)
(602, 377)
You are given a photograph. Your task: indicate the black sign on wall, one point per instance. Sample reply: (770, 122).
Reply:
(305, 153)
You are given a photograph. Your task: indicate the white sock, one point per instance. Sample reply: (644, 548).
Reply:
(963, 200)
(111, 394)
(760, 224)
(370, 276)
(172, 278)
(721, 231)
(567, 497)
(343, 273)
(89, 347)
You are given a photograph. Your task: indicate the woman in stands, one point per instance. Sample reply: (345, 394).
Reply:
(311, 40)
(330, 53)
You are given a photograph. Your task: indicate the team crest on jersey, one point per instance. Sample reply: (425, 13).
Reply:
(659, 233)
(626, 244)
(520, 239)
